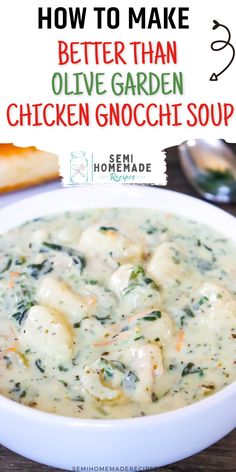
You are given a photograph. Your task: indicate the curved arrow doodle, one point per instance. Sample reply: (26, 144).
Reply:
(219, 45)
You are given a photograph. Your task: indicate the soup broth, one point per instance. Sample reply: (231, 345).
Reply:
(113, 313)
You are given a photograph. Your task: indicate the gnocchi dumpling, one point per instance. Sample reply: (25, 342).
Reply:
(67, 234)
(153, 325)
(91, 326)
(120, 279)
(103, 241)
(214, 303)
(39, 236)
(134, 289)
(140, 296)
(167, 263)
(91, 380)
(162, 329)
(146, 365)
(47, 333)
(58, 296)
(134, 377)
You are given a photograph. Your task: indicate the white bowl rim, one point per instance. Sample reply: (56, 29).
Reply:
(116, 189)
(158, 418)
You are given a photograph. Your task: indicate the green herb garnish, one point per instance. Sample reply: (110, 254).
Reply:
(16, 388)
(39, 365)
(190, 369)
(102, 319)
(153, 316)
(138, 270)
(130, 380)
(6, 267)
(77, 258)
(23, 394)
(36, 270)
(107, 228)
(62, 368)
(188, 312)
(20, 260)
(65, 384)
(203, 300)
(138, 338)
(23, 309)
(79, 398)
(77, 325)
(154, 397)
(108, 372)
(115, 364)
(8, 361)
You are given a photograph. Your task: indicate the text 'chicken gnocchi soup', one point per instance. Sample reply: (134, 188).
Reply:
(114, 313)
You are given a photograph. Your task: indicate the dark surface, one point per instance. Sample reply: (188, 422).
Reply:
(220, 457)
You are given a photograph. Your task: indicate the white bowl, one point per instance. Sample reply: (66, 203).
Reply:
(151, 441)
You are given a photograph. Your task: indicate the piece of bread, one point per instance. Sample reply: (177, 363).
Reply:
(25, 167)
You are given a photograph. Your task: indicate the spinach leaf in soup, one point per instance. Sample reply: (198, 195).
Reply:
(78, 259)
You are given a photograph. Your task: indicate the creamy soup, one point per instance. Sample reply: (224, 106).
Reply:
(112, 313)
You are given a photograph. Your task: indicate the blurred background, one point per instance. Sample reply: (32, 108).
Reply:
(217, 177)
(204, 169)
